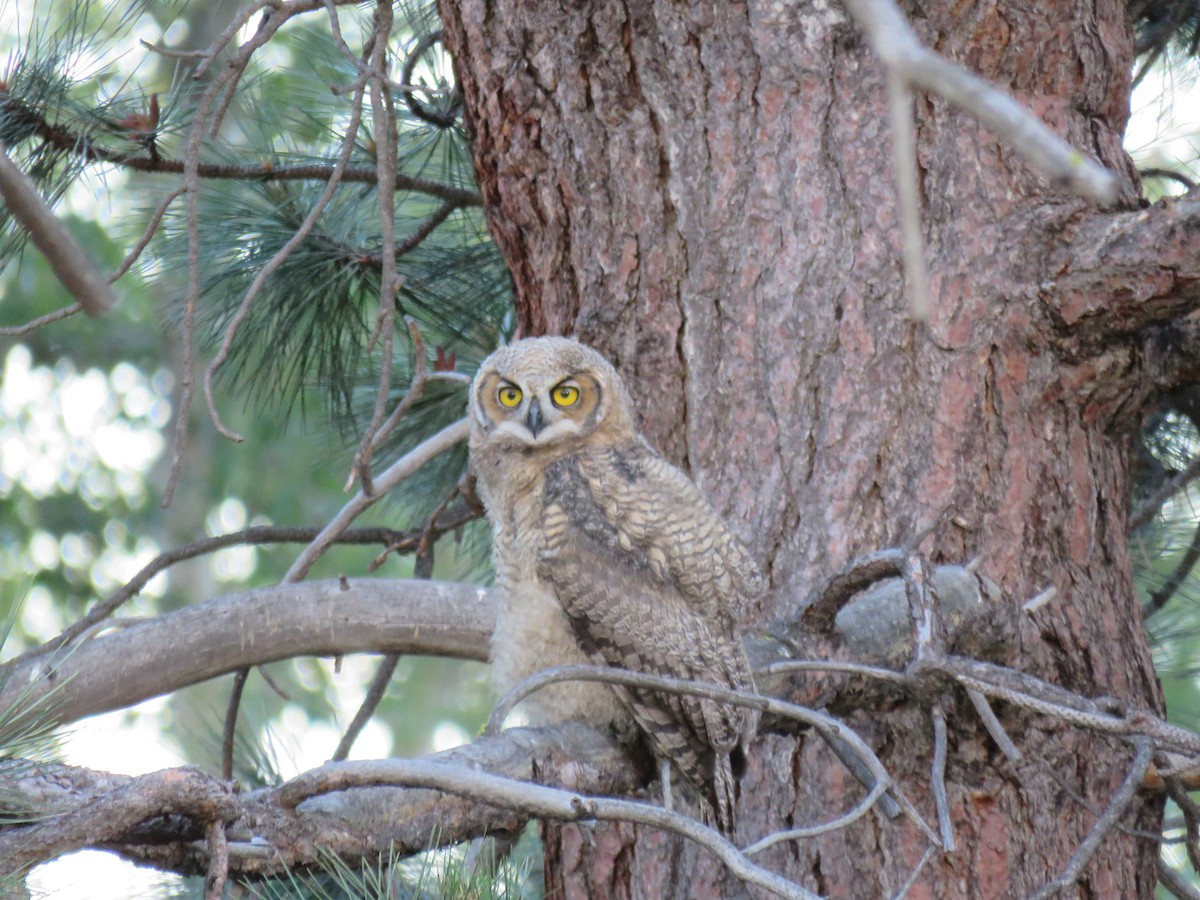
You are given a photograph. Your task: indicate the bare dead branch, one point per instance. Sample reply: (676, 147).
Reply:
(34, 324)
(375, 694)
(535, 800)
(231, 716)
(319, 618)
(66, 258)
(1116, 808)
(829, 727)
(904, 161)
(904, 55)
(188, 791)
(1175, 883)
(396, 542)
(397, 472)
(938, 779)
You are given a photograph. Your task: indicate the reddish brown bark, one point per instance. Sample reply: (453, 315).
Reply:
(704, 191)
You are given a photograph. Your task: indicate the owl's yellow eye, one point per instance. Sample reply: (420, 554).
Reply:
(509, 396)
(565, 395)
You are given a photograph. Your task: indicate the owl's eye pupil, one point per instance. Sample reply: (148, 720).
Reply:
(565, 395)
(509, 396)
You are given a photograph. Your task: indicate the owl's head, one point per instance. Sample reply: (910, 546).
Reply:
(548, 392)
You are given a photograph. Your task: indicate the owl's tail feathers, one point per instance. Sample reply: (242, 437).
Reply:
(722, 794)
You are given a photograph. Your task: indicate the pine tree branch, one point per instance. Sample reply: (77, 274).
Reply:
(395, 541)
(63, 254)
(1124, 273)
(905, 56)
(121, 668)
(86, 148)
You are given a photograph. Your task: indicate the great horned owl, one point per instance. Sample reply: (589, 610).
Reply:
(606, 553)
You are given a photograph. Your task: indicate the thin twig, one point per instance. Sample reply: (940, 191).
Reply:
(34, 324)
(374, 696)
(1177, 577)
(1191, 819)
(532, 798)
(218, 861)
(147, 234)
(231, 717)
(825, 724)
(1116, 808)
(938, 777)
(904, 161)
(383, 120)
(904, 55)
(916, 872)
(301, 234)
(396, 473)
(1175, 883)
(1149, 508)
(988, 716)
(859, 810)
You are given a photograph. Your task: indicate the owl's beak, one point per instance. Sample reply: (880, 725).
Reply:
(533, 418)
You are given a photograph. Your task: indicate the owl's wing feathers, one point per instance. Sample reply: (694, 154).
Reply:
(657, 509)
(639, 600)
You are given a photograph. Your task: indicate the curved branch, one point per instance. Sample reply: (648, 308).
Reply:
(70, 142)
(319, 618)
(905, 56)
(133, 815)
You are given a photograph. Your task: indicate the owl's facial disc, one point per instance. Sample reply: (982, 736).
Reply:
(541, 411)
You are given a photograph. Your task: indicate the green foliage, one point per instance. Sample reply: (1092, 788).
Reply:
(434, 875)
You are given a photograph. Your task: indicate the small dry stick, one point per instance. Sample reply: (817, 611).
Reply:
(396, 473)
(147, 234)
(1116, 808)
(533, 798)
(374, 696)
(904, 55)
(34, 324)
(1175, 883)
(231, 717)
(904, 160)
(941, 802)
(988, 716)
(218, 861)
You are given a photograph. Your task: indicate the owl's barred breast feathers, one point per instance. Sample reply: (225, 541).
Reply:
(605, 552)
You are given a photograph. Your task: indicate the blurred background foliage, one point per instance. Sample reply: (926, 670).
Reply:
(87, 405)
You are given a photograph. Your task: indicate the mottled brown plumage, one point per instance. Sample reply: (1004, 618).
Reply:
(604, 552)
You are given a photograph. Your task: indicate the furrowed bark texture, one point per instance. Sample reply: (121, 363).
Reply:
(705, 193)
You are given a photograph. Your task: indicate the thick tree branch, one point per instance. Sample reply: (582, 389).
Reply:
(160, 818)
(1122, 273)
(320, 618)
(66, 258)
(328, 618)
(96, 818)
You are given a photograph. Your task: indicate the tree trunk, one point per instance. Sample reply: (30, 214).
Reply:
(705, 193)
